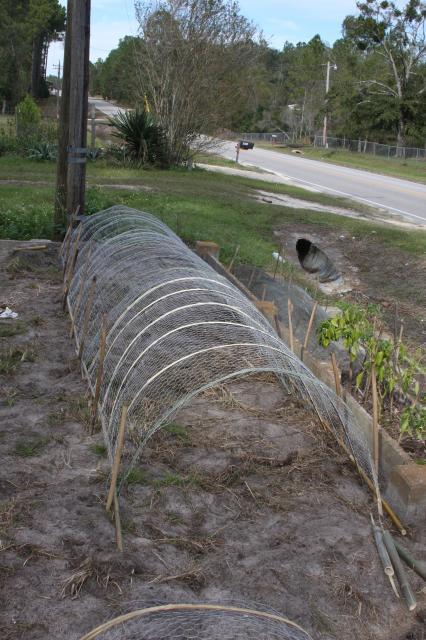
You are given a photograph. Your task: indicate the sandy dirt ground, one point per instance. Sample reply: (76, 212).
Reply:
(242, 498)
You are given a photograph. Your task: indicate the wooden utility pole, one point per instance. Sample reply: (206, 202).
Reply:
(58, 83)
(71, 166)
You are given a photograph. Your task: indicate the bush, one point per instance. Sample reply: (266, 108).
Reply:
(144, 140)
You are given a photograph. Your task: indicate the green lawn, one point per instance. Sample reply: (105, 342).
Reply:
(409, 169)
(197, 204)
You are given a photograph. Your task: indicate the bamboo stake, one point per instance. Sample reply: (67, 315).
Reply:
(70, 270)
(290, 323)
(117, 522)
(117, 457)
(400, 571)
(82, 283)
(87, 311)
(381, 503)
(336, 375)
(263, 292)
(231, 264)
(99, 377)
(70, 227)
(375, 418)
(280, 251)
(277, 325)
(308, 330)
(251, 277)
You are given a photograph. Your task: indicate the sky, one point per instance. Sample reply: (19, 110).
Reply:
(280, 20)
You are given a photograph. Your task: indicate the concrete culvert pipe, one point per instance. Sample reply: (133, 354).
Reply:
(314, 260)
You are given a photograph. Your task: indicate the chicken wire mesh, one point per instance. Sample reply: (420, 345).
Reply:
(174, 328)
(199, 622)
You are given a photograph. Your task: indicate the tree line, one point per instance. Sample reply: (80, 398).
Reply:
(204, 60)
(26, 29)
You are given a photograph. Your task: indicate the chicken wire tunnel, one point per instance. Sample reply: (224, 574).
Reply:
(174, 327)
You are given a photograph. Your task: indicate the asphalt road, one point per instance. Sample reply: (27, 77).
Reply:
(402, 197)
(405, 199)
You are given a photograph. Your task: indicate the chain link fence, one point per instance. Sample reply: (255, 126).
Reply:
(348, 144)
(374, 148)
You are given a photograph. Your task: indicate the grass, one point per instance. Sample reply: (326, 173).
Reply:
(31, 448)
(196, 204)
(11, 359)
(136, 476)
(11, 328)
(409, 169)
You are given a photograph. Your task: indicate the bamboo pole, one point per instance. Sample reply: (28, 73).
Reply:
(381, 549)
(290, 323)
(277, 325)
(308, 330)
(117, 457)
(263, 293)
(99, 377)
(336, 375)
(400, 571)
(87, 311)
(375, 418)
(416, 565)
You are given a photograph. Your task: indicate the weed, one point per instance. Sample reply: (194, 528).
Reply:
(99, 450)
(79, 410)
(31, 448)
(8, 330)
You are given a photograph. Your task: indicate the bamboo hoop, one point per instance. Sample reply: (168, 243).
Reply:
(308, 330)
(87, 311)
(117, 457)
(189, 607)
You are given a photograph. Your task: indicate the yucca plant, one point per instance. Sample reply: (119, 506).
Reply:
(144, 140)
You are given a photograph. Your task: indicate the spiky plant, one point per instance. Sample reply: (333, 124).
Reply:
(145, 141)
